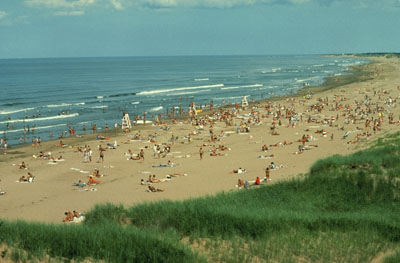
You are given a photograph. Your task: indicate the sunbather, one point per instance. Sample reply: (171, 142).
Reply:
(153, 189)
(69, 217)
(239, 171)
(93, 181)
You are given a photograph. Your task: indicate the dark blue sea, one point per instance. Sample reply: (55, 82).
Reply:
(49, 94)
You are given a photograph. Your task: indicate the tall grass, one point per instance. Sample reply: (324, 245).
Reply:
(111, 243)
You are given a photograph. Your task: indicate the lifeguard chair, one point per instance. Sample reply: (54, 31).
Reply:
(245, 104)
(126, 122)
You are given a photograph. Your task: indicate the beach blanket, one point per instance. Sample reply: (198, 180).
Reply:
(264, 157)
(163, 165)
(183, 156)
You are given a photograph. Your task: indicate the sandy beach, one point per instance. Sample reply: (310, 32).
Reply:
(333, 121)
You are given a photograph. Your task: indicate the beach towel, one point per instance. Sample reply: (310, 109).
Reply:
(264, 157)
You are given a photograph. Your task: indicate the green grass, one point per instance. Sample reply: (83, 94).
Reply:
(346, 209)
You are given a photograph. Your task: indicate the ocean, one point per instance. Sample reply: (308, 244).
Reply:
(39, 96)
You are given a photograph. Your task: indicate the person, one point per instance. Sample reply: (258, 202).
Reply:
(22, 179)
(267, 172)
(239, 171)
(246, 184)
(69, 217)
(96, 173)
(153, 179)
(143, 182)
(93, 181)
(201, 153)
(77, 214)
(101, 155)
(240, 183)
(141, 154)
(257, 182)
(22, 165)
(30, 178)
(272, 166)
(80, 184)
(153, 189)
(264, 148)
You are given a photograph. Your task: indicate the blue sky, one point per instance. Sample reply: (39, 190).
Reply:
(86, 28)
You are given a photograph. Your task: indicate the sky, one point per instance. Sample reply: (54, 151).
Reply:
(97, 28)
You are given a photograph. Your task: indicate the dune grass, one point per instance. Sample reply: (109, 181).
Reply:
(346, 209)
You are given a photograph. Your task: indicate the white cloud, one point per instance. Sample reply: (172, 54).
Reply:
(3, 14)
(59, 3)
(70, 13)
(116, 4)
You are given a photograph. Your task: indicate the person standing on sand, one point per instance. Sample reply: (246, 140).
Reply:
(201, 153)
(267, 172)
(101, 156)
(90, 152)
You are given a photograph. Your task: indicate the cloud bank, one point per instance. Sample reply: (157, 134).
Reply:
(59, 3)
(172, 4)
(70, 13)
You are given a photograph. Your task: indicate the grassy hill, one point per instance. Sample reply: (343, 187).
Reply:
(346, 209)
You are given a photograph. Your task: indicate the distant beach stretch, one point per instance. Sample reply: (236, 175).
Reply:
(197, 151)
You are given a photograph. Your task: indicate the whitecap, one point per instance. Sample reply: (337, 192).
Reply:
(58, 105)
(42, 119)
(100, 107)
(156, 109)
(15, 111)
(152, 92)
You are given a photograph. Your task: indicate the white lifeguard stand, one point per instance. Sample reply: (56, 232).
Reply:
(126, 122)
(245, 104)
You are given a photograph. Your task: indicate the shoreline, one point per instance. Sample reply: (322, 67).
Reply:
(354, 69)
(209, 176)
(327, 85)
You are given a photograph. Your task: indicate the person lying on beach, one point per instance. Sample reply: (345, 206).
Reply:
(93, 181)
(239, 171)
(153, 189)
(43, 155)
(153, 179)
(101, 137)
(29, 179)
(77, 214)
(174, 175)
(57, 159)
(22, 165)
(69, 217)
(265, 156)
(272, 166)
(287, 143)
(214, 153)
(143, 182)
(2, 192)
(240, 183)
(222, 147)
(22, 179)
(264, 148)
(96, 173)
(80, 184)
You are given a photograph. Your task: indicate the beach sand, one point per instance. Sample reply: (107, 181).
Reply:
(52, 193)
